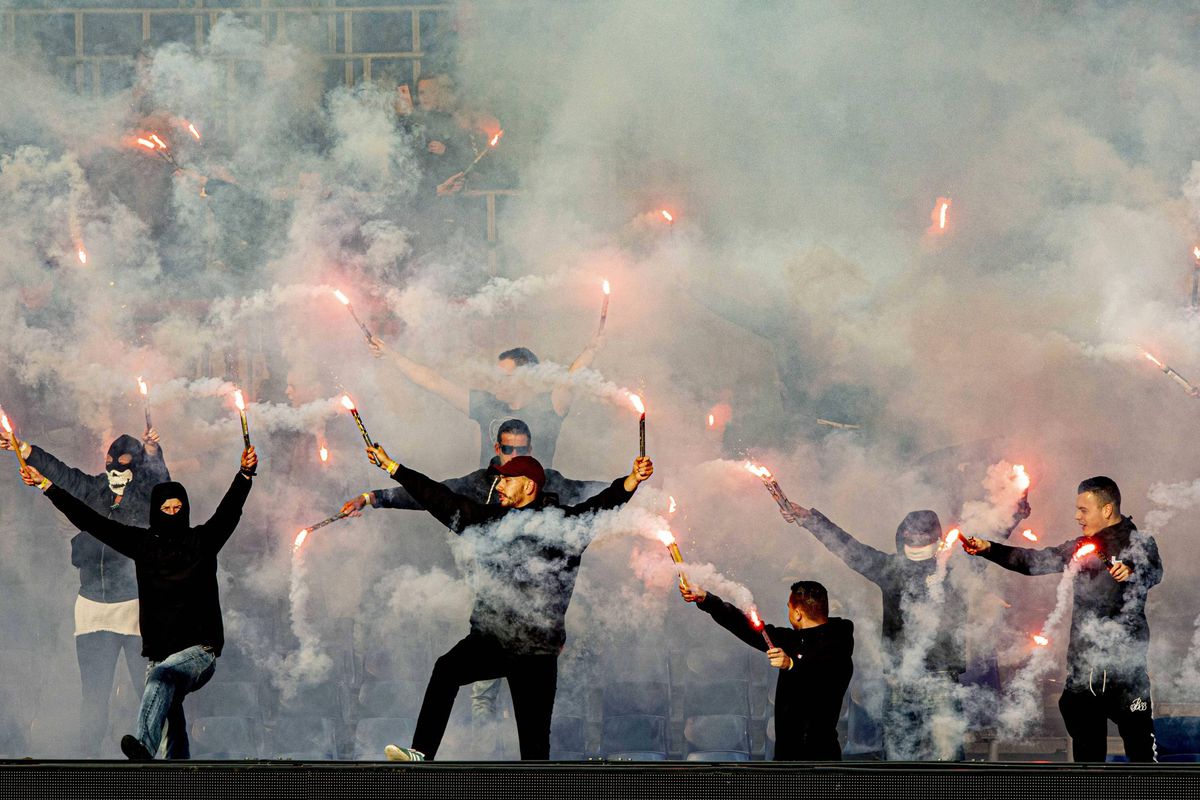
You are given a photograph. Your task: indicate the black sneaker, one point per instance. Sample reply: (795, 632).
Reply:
(133, 749)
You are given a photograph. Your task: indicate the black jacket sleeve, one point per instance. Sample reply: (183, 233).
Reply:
(1028, 561)
(125, 539)
(398, 496)
(453, 510)
(1142, 557)
(731, 618)
(862, 558)
(220, 526)
(156, 468)
(612, 497)
(74, 482)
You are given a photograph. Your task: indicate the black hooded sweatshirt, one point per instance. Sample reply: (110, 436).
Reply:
(176, 564)
(808, 697)
(106, 576)
(903, 583)
(1110, 636)
(478, 486)
(526, 583)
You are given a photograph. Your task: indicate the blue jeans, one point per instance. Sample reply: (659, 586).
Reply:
(167, 683)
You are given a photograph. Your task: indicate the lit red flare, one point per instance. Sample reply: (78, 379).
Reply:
(154, 138)
(953, 535)
(1040, 640)
(341, 297)
(1196, 253)
(604, 286)
(146, 143)
(350, 307)
(755, 469)
(671, 507)
(82, 254)
(1173, 375)
(1029, 534)
(939, 215)
(362, 429)
(638, 405)
(495, 140)
(1022, 477)
(668, 539)
(667, 216)
(712, 421)
(300, 537)
(760, 626)
(142, 387)
(347, 402)
(192, 130)
(239, 400)
(16, 442)
(1084, 550)
(664, 536)
(324, 454)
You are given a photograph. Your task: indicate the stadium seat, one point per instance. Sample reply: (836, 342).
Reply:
(717, 737)
(637, 697)
(717, 697)
(567, 738)
(1177, 738)
(635, 737)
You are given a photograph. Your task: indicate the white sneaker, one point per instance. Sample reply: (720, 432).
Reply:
(395, 753)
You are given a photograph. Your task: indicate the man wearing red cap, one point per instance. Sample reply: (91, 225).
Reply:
(527, 551)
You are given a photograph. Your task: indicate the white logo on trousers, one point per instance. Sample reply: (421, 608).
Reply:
(1138, 705)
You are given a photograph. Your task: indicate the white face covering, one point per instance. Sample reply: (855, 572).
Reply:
(117, 481)
(922, 553)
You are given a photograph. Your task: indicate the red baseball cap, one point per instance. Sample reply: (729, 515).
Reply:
(526, 466)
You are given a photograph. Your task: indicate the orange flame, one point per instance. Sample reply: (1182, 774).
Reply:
(938, 215)
(154, 138)
(666, 537)
(238, 400)
(495, 139)
(146, 143)
(324, 451)
(755, 621)
(1039, 640)
(1084, 550)
(952, 536)
(82, 255)
(605, 287)
(755, 469)
(300, 537)
(341, 297)
(1029, 534)
(347, 402)
(1022, 477)
(5, 423)
(667, 215)
(142, 387)
(1153, 359)
(192, 130)
(712, 421)
(671, 507)
(638, 405)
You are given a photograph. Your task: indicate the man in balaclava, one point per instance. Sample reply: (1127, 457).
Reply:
(106, 609)
(180, 614)
(904, 579)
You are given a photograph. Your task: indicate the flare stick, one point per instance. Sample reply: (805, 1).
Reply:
(16, 441)
(240, 402)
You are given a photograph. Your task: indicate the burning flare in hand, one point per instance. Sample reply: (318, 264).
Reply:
(1040, 640)
(1029, 534)
(667, 216)
(300, 537)
(1021, 477)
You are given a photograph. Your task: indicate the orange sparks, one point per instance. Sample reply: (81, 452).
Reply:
(146, 143)
(1029, 534)
(1039, 640)
(667, 216)
(347, 402)
(495, 139)
(666, 537)
(142, 387)
(82, 255)
(341, 297)
(1157, 363)
(604, 287)
(1022, 477)
(239, 400)
(300, 537)
(638, 405)
(324, 453)
(1084, 550)
(755, 469)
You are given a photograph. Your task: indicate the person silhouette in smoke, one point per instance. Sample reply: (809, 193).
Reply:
(1107, 675)
(106, 608)
(180, 612)
(513, 439)
(904, 578)
(525, 570)
(543, 412)
(814, 659)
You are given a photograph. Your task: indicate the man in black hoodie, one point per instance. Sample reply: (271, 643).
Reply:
(106, 609)
(526, 565)
(904, 579)
(1110, 637)
(180, 612)
(814, 659)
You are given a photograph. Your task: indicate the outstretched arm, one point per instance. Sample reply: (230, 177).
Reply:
(453, 510)
(428, 379)
(220, 526)
(862, 558)
(1023, 559)
(727, 615)
(618, 492)
(126, 540)
(71, 480)
(564, 394)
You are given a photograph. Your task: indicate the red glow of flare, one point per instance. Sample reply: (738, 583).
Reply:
(939, 213)
(347, 402)
(755, 621)
(755, 469)
(1196, 253)
(496, 139)
(4, 421)
(952, 536)
(239, 400)
(1039, 640)
(192, 130)
(712, 421)
(667, 215)
(638, 405)
(142, 387)
(1029, 534)
(1084, 550)
(666, 537)
(341, 297)
(324, 451)
(146, 143)
(82, 255)
(300, 537)
(154, 138)
(605, 287)
(671, 507)
(1158, 363)
(1022, 476)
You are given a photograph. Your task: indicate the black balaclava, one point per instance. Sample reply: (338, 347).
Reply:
(121, 475)
(168, 524)
(918, 535)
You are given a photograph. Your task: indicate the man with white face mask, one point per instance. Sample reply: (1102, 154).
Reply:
(106, 609)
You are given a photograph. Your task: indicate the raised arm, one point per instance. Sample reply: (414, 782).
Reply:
(862, 558)
(69, 479)
(220, 526)
(428, 379)
(618, 492)
(125, 539)
(154, 464)
(564, 394)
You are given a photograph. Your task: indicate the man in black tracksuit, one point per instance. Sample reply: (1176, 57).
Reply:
(180, 610)
(526, 565)
(106, 609)
(1110, 637)
(814, 659)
